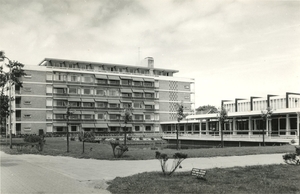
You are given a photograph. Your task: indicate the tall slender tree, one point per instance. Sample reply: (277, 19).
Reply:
(180, 116)
(266, 115)
(222, 117)
(8, 79)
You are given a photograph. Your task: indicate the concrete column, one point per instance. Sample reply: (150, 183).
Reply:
(234, 126)
(287, 127)
(250, 126)
(207, 133)
(200, 127)
(267, 128)
(219, 122)
(193, 128)
(298, 127)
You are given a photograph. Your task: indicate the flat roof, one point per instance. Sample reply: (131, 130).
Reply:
(108, 64)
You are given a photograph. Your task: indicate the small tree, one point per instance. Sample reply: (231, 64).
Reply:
(86, 137)
(266, 115)
(118, 149)
(163, 158)
(180, 116)
(222, 116)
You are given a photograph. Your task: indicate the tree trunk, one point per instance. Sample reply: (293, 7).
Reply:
(222, 130)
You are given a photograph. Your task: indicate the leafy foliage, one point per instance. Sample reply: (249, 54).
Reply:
(86, 136)
(207, 109)
(292, 158)
(118, 149)
(163, 158)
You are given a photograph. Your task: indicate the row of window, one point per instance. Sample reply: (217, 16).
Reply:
(111, 129)
(114, 104)
(105, 68)
(114, 80)
(103, 92)
(104, 116)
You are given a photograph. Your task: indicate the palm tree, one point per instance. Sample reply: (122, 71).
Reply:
(265, 115)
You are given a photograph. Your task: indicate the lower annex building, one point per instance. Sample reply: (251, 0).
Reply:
(97, 94)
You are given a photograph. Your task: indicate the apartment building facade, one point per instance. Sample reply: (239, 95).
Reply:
(97, 94)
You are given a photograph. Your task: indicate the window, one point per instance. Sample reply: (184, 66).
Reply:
(138, 117)
(27, 116)
(126, 94)
(60, 77)
(148, 107)
(148, 84)
(137, 128)
(60, 103)
(59, 116)
(74, 78)
(49, 77)
(87, 79)
(74, 116)
(148, 128)
(86, 91)
(27, 102)
(101, 104)
(87, 116)
(101, 81)
(114, 117)
(187, 97)
(137, 105)
(114, 82)
(59, 91)
(137, 83)
(72, 90)
(113, 92)
(126, 105)
(139, 95)
(100, 92)
(125, 82)
(74, 104)
(88, 104)
(149, 95)
(113, 105)
(101, 116)
(147, 117)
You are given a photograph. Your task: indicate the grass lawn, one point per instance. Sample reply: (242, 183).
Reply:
(252, 179)
(58, 147)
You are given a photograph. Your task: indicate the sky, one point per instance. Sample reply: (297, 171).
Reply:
(233, 49)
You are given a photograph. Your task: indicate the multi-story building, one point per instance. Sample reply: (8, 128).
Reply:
(97, 94)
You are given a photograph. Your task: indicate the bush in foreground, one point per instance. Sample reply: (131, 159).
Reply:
(163, 158)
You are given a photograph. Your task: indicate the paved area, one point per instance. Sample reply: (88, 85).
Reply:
(49, 174)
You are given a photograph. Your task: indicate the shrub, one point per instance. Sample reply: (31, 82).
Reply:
(118, 149)
(163, 158)
(32, 139)
(293, 141)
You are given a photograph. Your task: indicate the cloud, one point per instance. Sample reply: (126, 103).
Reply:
(231, 44)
